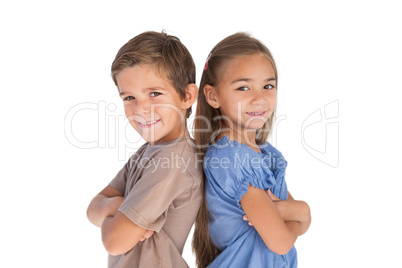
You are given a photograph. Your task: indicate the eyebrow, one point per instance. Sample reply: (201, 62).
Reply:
(249, 79)
(145, 89)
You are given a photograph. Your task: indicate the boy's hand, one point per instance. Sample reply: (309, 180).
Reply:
(146, 235)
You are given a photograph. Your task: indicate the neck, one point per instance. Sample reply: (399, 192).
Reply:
(180, 132)
(246, 137)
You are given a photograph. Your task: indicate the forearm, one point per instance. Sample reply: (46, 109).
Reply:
(101, 207)
(304, 227)
(295, 211)
(277, 234)
(120, 234)
(283, 239)
(294, 228)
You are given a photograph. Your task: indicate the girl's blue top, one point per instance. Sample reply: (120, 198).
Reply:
(230, 167)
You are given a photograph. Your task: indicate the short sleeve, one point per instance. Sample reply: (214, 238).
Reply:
(119, 182)
(164, 179)
(232, 168)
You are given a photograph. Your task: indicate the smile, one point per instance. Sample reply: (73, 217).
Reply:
(256, 113)
(148, 124)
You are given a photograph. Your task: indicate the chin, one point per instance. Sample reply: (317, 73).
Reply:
(155, 140)
(255, 126)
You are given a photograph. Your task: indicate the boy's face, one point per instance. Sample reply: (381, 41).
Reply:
(152, 105)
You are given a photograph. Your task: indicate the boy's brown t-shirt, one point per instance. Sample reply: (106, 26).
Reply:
(162, 189)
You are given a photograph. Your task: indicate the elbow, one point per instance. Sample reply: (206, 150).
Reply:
(307, 212)
(94, 213)
(284, 244)
(112, 249)
(90, 215)
(90, 212)
(112, 246)
(114, 242)
(307, 219)
(283, 250)
(107, 240)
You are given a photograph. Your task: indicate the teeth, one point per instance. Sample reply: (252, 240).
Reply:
(256, 113)
(150, 122)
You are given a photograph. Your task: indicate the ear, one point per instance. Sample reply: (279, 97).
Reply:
(190, 96)
(211, 96)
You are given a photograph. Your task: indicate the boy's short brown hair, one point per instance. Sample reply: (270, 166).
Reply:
(171, 58)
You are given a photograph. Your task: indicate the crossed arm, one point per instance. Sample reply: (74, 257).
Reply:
(278, 222)
(119, 233)
(293, 210)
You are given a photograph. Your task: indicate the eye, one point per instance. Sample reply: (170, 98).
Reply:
(154, 94)
(243, 88)
(128, 98)
(269, 86)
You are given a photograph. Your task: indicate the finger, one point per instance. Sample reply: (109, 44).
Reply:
(148, 234)
(142, 239)
(272, 196)
(246, 219)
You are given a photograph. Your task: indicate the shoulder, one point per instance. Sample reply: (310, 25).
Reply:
(225, 148)
(134, 159)
(273, 156)
(234, 166)
(269, 148)
(184, 146)
(227, 160)
(178, 157)
(232, 155)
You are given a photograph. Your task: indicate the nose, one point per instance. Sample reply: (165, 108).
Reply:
(142, 107)
(258, 98)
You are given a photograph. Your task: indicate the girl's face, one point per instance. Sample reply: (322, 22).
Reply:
(246, 93)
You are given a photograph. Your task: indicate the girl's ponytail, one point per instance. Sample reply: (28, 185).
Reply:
(205, 251)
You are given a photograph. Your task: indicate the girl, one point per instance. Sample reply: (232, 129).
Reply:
(244, 174)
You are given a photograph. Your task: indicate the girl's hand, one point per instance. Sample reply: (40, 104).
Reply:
(272, 196)
(146, 235)
(245, 218)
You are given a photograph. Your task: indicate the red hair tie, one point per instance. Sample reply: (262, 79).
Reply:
(206, 63)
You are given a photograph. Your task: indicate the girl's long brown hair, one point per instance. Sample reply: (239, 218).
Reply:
(207, 124)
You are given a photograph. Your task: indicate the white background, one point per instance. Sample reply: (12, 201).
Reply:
(56, 55)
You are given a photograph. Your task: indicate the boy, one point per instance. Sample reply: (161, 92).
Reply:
(160, 188)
